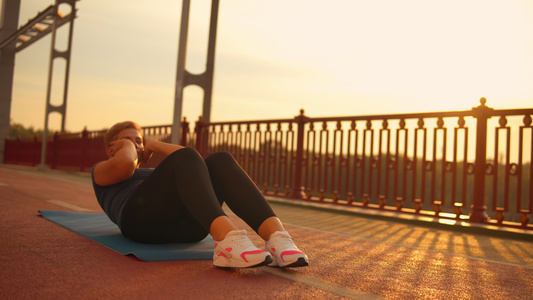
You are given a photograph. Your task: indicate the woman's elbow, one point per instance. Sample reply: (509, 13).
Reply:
(125, 170)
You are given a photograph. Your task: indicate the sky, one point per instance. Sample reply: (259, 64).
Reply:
(273, 58)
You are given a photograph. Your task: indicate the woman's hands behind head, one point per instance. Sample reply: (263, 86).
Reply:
(145, 153)
(165, 149)
(116, 145)
(122, 162)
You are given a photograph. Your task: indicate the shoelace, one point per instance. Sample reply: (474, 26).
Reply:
(243, 242)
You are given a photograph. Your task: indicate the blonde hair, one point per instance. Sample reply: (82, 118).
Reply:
(112, 132)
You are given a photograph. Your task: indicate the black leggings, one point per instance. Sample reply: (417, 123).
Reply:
(184, 194)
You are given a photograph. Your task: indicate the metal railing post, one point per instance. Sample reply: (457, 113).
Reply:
(84, 149)
(301, 120)
(18, 150)
(201, 137)
(184, 132)
(55, 150)
(479, 210)
(35, 151)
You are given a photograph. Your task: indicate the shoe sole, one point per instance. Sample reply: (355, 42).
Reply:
(300, 262)
(267, 261)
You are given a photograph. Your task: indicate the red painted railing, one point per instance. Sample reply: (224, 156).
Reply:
(428, 164)
(425, 163)
(73, 152)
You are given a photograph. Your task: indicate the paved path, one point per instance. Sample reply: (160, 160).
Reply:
(350, 256)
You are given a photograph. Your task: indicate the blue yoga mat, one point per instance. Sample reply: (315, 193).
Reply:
(98, 227)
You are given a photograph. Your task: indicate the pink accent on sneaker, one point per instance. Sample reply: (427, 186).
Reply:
(290, 252)
(243, 254)
(224, 254)
(238, 251)
(273, 249)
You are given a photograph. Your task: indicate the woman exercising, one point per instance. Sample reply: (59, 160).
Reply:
(180, 201)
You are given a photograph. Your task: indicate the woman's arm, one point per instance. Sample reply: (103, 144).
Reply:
(120, 166)
(152, 146)
(125, 157)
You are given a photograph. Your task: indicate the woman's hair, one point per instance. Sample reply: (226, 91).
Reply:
(112, 133)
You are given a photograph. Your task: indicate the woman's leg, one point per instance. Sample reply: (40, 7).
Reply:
(176, 203)
(234, 187)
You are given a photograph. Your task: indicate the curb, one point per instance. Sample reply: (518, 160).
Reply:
(425, 221)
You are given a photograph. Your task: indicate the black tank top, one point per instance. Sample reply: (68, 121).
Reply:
(112, 198)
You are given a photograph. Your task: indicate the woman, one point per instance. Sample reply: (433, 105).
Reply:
(180, 201)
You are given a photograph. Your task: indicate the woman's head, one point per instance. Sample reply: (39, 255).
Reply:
(113, 132)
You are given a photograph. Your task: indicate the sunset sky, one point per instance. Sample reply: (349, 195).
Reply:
(331, 58)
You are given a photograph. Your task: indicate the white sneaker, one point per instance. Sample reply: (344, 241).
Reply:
(284, 253)
(237, 251)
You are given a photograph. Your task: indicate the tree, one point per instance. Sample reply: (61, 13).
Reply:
(18, 130)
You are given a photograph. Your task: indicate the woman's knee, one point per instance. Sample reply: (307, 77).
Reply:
(220, 158)
(184, 154)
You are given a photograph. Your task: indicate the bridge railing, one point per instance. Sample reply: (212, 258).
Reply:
(463, 166)
(460, 166)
